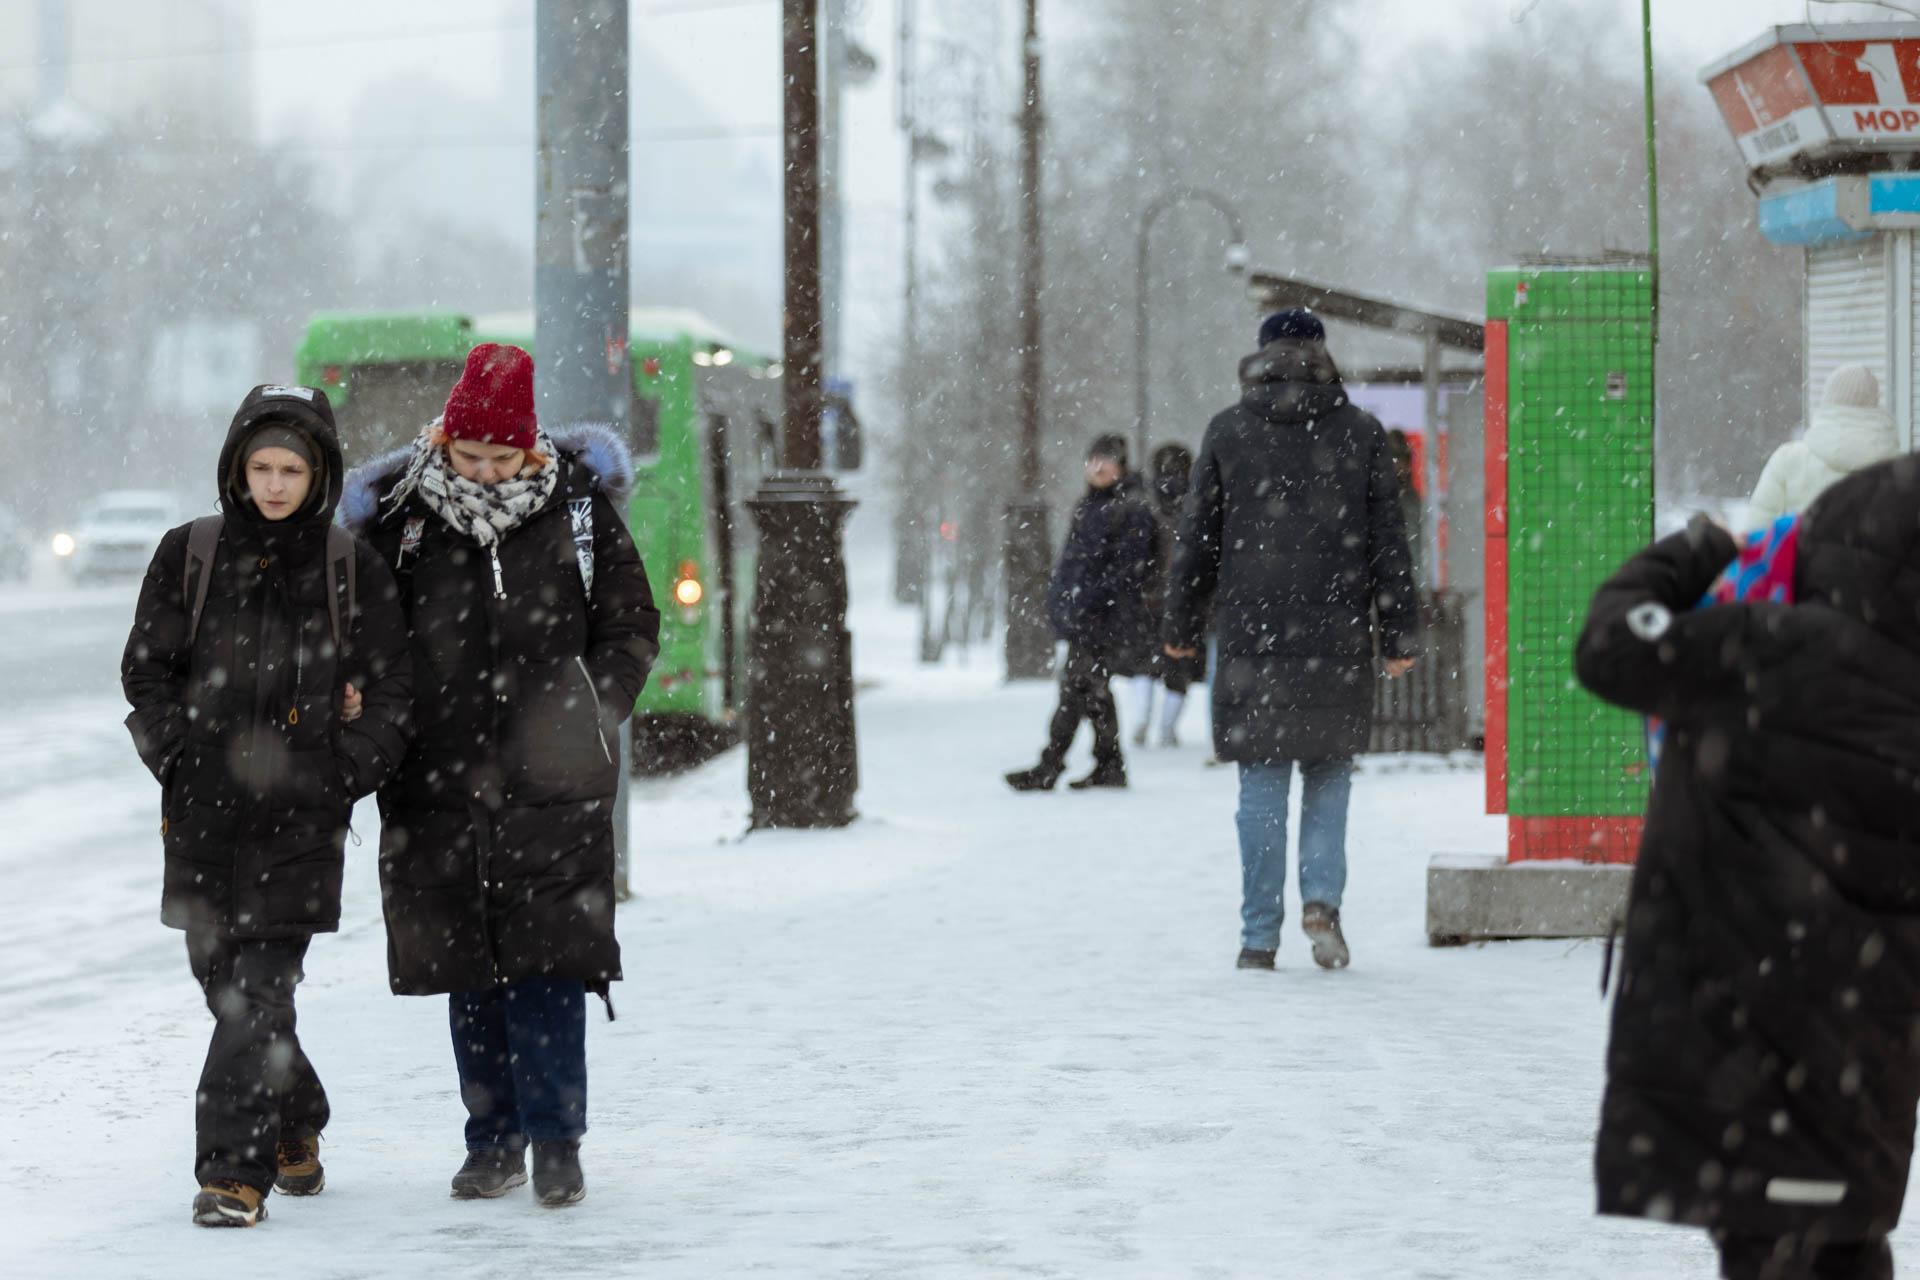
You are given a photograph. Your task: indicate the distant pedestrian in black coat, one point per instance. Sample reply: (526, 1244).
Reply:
(1764, 1063)
(1096, 602)
(533, 630)
(1167, 488)
(1293, 546)
(264, 719)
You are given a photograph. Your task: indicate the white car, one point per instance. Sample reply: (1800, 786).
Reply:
(118, 533)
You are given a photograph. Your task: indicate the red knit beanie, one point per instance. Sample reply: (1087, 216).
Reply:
(493, 401)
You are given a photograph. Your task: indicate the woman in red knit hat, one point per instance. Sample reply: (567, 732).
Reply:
(533, 628)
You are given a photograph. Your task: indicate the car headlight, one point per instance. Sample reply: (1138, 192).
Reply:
(63, 544)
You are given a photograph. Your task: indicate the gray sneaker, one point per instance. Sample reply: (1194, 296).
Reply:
(1321, 924)
(490, 1173)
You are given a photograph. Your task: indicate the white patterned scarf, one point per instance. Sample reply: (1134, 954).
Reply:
(484, 512)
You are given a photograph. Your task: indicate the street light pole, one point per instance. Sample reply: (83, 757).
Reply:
(1029, 548)
(802, 767)
(580, 292)
(1236, 262)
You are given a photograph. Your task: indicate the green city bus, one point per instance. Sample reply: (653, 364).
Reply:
(705, 427)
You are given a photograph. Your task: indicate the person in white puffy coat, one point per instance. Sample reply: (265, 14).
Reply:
(1849, 432)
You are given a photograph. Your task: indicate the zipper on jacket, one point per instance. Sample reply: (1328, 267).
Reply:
(594, 693)
(499, 583)
(1606, 956)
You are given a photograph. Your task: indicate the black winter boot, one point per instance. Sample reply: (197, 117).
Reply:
(557, 1179)
(1111, 772)
(490, 1173)
(1039, 778)
(1254, 958)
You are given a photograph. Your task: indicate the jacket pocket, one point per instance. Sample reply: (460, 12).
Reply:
(599, 712)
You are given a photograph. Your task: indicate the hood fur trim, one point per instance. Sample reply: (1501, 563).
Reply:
(599, 448)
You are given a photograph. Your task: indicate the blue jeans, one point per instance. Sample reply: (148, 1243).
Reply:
(1263, 841)
(522, 1054)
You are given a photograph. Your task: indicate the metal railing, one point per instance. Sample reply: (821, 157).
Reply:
(1431, 708)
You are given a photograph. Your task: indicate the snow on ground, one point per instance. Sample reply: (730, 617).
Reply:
(976, 1034)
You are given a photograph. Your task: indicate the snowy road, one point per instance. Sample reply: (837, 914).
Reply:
(977, 1034)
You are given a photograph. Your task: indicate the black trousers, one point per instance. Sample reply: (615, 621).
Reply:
(1743, 1258)
(257, 1081)
(1084, 695)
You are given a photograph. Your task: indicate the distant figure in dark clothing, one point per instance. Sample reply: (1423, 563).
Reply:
(1412, 510)
(1097, 604)
(1171, 477)
(1293, 546)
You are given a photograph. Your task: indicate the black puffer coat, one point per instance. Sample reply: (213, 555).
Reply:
(496, 850)
(1097, 597)
(1765, 1057)
(243, 728)
(1292, 543)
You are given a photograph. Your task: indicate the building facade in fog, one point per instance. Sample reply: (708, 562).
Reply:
(182, 69)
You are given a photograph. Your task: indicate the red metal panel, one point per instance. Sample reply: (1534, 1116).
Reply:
(1496, 593)
(1611, 839)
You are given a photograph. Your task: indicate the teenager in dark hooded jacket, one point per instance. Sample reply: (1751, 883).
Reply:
(533, 631)
(1765, 1056)
(1096, 601)
(263, 720)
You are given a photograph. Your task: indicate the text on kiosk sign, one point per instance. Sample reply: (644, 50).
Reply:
(1806, 95)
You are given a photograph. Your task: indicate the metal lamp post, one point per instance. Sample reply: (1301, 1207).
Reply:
(802, 767)
(1236, 262)
(1029, 650)
(580, 242)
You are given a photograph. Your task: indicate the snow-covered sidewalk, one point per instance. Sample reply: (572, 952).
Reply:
(977, 1034)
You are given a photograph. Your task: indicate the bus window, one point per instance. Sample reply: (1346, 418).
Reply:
(387, 404)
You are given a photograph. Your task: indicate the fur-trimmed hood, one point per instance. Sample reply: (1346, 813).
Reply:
(596, 446)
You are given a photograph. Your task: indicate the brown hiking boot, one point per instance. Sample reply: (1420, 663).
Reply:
(299, 1157)
(1321, 924)
(223, 1203)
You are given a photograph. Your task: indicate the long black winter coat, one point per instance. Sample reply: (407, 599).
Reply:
(1097, 597)
(1765, 1056)
(243, 728)
(1293, 544)
(496, 851)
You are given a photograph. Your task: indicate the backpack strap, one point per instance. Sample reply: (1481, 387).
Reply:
(341, 562)
(203, 540)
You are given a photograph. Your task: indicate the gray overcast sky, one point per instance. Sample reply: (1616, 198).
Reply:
(727, 50)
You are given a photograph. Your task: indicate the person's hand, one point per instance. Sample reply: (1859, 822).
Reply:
(1175, 651)
(1397, 667)
(350, 704)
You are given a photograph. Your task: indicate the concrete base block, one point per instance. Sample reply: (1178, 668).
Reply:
(1472, 898)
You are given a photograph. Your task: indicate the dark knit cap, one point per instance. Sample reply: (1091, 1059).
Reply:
(1295, 322)
(278, 435)
(1112, 447)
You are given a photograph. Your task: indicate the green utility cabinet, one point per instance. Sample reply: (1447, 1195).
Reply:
(1570, 452)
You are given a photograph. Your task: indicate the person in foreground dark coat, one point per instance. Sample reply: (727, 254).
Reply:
(262, 733)
(1764, 1061)
(1097, 603)
(1292, 544)
(533, 630)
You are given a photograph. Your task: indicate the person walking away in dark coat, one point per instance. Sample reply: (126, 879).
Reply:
(533, 629)
(1764, 1061)
(1171, 478)
(1096, 602)
(270, 682)
(1293, 545)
